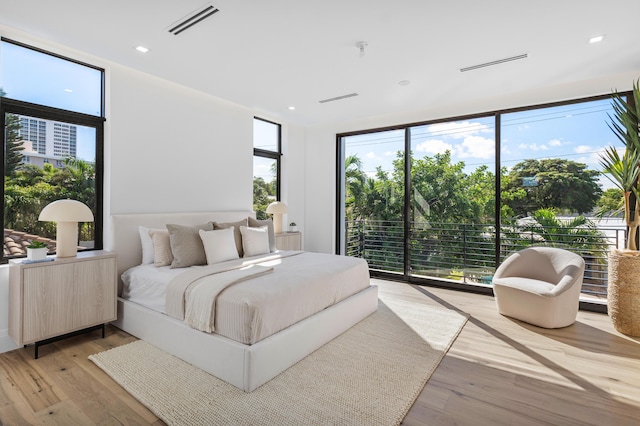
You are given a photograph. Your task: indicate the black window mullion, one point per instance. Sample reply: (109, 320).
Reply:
(407, 203)
(497, 189)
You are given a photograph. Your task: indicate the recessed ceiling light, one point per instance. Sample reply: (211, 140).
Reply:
(596, 39)
(292, 107)
(142, 49)
(404, 82)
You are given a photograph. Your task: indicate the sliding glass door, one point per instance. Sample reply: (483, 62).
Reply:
(453, 200)
(373, 202)
(447, 201)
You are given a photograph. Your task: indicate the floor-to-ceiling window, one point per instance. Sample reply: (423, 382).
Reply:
(553, 190)
(52, 113)
(374, 198)
(453, 200)
(266, 165)
(478, 188)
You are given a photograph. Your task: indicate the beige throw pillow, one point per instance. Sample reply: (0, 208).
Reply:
(255, 241)
(186, 245)
(162, 255)
(254, 223)
(236, 232)
(219, 245)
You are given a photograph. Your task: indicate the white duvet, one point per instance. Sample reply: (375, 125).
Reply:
(252, 310)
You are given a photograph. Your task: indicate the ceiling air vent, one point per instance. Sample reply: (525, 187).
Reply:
(192, 18)
(488, 64)
(338, 98)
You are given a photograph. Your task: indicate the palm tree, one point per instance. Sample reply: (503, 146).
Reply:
(578, 234)
(624, 171)
(355, 182)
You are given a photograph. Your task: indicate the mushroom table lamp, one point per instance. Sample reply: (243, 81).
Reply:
(277, 208)
(66, 214)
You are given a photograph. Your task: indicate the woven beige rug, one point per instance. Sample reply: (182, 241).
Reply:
(370, 375)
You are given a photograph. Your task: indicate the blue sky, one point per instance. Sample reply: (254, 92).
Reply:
(39, 78)
(576, 132)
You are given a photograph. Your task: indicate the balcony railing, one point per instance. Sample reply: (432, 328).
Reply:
(467, 253)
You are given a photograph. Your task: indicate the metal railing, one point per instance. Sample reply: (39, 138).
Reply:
(467, 252)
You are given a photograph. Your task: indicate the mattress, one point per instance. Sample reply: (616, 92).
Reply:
(300, 286)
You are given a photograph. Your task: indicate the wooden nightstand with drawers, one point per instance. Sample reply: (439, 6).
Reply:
(51, 300)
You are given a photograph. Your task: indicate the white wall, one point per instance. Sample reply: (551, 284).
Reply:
(292, 176)
(175, 149)
(320, 172)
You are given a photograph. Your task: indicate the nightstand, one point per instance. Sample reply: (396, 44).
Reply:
(289, 241)
(49, 301)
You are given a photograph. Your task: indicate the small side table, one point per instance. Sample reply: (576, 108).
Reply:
(52, 300)
(289, 241)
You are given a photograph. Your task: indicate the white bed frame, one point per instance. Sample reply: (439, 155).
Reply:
(244, 366)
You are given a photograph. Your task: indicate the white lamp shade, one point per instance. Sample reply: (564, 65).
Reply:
(66, 211)
(66, 214)
(277, 207)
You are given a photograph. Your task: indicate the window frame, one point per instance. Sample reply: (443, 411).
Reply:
(497, 114)
(273, 155)
(18, 107)
(65, 58)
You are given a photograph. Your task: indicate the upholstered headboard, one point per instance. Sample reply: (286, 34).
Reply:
(125, 239)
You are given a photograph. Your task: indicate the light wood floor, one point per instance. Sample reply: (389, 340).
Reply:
(498, 372)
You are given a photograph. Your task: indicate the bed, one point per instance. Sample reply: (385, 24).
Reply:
(249, 362)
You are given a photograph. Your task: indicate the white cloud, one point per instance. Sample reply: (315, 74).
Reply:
(477, 147)
(555, 142)
(457, 130)
(582, 149)
(390, 154)
(533, 147)
(434, 146)
(371, 155)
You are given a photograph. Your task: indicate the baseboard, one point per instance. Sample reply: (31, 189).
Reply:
(6, 343)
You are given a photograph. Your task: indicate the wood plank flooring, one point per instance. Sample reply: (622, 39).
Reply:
(498, 372)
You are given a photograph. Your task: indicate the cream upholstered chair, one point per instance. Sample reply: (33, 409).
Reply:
(540, 285)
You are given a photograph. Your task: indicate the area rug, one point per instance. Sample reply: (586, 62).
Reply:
(370, 375)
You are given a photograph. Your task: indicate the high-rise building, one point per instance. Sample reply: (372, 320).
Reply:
(47, 141)
(64, 140)
(34, 130)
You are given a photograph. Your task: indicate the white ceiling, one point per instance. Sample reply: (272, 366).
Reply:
(269, 55)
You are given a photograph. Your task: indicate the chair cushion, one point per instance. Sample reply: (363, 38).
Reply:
(542, 288)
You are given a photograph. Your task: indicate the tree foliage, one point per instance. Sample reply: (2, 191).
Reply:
(453, 213)
(558, 184)
(611, 203)
(263, 195)
(442, 191)
(30, 188)
(13, 145)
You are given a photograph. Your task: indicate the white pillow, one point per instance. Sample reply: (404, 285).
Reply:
(147, 245)
(255, 241)
(219, 245)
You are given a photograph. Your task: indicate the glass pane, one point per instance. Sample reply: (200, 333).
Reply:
(552, 185)
(36, 77)
(264, 184)
(374, 199)
(266, 135)
(45, 161)
(453, 200)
